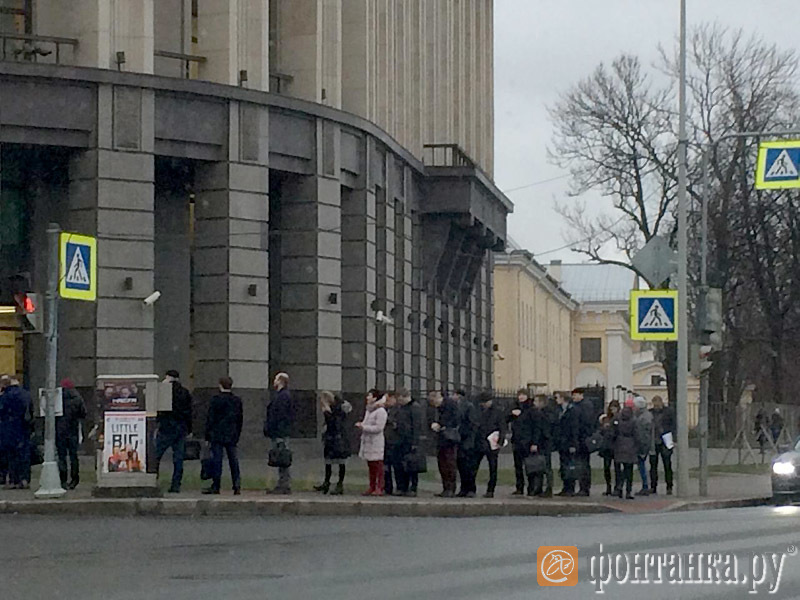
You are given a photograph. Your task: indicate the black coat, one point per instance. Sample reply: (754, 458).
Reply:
(535, 429)
(224, 420)
(491, 420)
(663, 422)
(16, 416)
(181, 413)
(626, 442)
(74, 412)
(567, 430)
(280, 415)
(520, 427)
(587, 422)
(447, 415)
(335, 442)
(469, 419)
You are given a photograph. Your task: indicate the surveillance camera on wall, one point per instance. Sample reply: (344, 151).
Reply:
(382, 318)
(152, 298)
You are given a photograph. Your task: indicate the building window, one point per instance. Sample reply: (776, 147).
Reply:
(657, 380)
(591, 350)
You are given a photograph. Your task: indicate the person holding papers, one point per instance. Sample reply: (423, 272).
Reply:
(663, 425)
(490, 438)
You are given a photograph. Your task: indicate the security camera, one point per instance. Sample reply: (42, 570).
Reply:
(382, 318)
(152, 298)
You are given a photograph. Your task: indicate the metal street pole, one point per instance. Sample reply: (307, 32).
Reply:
(50, 482)
(682, 408)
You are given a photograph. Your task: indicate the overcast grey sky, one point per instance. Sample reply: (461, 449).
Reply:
(543, 46)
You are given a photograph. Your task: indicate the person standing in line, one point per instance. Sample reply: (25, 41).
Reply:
(469, 420)
(663, 424)
(391, 452)
(520, 440)
(491, 424)
(536, 433)
(335, 441)
(173, 428)
(644, 431)
(223, 430)
(625, 451)
(607, 451)
(15, 431)
(278, 428)
(68, 433)
(447, 437)
(567, 432)
(587, 420)
(373, 441)
(411, 422)
(5, 469)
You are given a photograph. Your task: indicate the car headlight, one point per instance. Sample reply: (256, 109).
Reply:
(783, 468)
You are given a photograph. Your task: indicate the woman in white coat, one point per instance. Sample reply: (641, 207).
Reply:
(372, 441)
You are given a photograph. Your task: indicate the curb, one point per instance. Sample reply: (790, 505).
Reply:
(719, 504)
(222, 507)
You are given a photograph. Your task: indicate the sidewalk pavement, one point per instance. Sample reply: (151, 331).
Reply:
(725, 491)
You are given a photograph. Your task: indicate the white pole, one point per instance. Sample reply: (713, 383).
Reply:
(682, 408)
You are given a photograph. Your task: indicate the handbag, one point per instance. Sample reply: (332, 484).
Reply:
(206, 464)
(596, 442)
(415, 462)
(572, 470)
(451, 434)
(280, 456)
(192, 451)
(535, 464)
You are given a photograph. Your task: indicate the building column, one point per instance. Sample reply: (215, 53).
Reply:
(311, 272)
(419, 310)
(111, 196)
(231, 286)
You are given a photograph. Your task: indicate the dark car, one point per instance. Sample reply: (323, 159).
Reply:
(786, 475)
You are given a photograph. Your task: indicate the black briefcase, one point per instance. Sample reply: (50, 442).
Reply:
(192, 450)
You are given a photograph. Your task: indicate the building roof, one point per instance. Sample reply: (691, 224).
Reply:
(592, 282)
(525, 260)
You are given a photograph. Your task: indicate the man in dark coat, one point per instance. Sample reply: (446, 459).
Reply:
(535, 431)
(68, 433)
(16, 419)
(663, 423)
(411, 423)
(520, 436)
(278, 427)
(587, 422)
(447, 438)
(566, 438)
(626, 445)
(223, 429)
(469, 419)
(492, 423)
(391, 452)
(173, 427)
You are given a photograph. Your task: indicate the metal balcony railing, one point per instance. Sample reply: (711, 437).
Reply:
(446, 155)
(278, 82)
(186, 60)
(32, 48)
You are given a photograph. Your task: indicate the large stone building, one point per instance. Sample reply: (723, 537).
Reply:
(282, 171)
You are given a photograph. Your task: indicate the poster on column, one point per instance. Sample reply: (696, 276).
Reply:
(124, 443)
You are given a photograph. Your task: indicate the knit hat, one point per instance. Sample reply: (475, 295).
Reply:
(639, 402)
(67, 384)
(629, 402)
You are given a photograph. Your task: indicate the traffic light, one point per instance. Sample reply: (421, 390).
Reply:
(29, 312)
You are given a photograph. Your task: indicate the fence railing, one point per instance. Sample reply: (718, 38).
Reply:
(279, 82)
(446, 155)
(36, 48)
(187, 60)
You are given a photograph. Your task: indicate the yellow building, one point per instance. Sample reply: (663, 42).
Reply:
(533, 318)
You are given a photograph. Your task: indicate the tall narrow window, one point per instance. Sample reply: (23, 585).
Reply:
(591, 350)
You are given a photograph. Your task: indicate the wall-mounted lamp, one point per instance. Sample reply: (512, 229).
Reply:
(252, 290)
(120, 60)
(242, 77)
(127, 283)
(333, 298)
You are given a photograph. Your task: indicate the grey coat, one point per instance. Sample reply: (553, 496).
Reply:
(644, 432)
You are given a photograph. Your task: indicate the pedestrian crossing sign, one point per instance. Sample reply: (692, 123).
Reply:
(778, 165)
(654, 315)
(78, 270)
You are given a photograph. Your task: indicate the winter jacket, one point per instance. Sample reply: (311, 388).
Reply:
(392, 436)
(372, 439)
(663, 422)
(335, 441)
(644, 433)
(534, 429)
(491, 420)
(74, 412)
(625, 438)
(15, 416)
(181, 413)
(587, 421)
(280, 415)
(567, 429)
(447, 415)
(224, 420)
(520, 426)
(606, 428)
(469, 419)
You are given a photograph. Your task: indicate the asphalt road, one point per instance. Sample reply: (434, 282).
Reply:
(347, 558)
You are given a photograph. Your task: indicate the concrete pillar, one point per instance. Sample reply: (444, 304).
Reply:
(111, 196)
(233, 35)
(311, 272)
